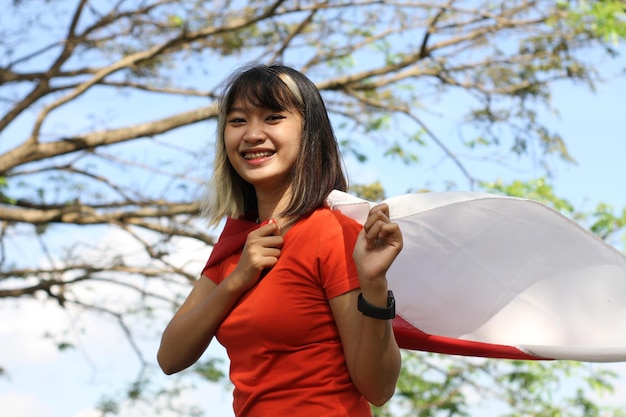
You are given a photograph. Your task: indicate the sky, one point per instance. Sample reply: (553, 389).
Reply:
(43, 382)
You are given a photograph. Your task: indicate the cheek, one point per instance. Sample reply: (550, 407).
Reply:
(230, 145)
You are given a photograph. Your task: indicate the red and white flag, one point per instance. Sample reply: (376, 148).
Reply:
(501, 277)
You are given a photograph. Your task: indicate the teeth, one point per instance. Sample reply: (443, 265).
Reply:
(257, 155)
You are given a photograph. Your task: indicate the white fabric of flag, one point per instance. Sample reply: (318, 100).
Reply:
(504, 271)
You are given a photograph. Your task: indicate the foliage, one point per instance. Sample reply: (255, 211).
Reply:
(601, 220)
(436, 385)
(4, 199)
(370, 192)
(107, 116)
(605, 18)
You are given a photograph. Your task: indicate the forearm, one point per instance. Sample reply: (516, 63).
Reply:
(377, 358)
(191, 330)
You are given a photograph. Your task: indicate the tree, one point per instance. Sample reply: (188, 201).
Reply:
(108, 112)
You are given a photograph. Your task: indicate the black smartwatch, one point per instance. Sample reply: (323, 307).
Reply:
(376, 312)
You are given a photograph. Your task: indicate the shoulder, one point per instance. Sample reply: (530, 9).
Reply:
(326, 225)
(333, 218)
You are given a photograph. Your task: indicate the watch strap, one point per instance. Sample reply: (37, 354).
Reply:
(369, 310)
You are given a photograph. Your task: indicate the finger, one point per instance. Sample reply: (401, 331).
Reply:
(271, 228)
(261, 258)
(373, 233)
(269, 241)
(271, 253)
(377, 213)
(391, 234)
(256, 243)
(276, 231)
(387, 233)
(383, 208)
(268, 262)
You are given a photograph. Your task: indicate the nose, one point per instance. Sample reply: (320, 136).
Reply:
(254, 133)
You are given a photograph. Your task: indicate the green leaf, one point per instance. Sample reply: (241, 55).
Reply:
(398, 151)
(370, 192)
(209, 370)
(537, 189)
(176, 21)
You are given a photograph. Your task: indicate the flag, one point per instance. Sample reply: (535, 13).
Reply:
(502, 277)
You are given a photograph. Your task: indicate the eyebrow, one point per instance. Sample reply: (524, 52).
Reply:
(239, 109)
(242, 109)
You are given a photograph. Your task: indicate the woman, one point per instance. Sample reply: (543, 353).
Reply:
(297, 293)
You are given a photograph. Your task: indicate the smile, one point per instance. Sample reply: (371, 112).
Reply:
(257, 155)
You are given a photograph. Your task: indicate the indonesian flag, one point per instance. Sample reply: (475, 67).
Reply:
(501, 277)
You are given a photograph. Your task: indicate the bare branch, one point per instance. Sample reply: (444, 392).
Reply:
(297, 30)
(86, 214)
(29, 151)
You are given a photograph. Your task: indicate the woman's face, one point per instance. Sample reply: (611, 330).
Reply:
(262, 145)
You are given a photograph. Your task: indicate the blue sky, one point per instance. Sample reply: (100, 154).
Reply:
(45, 383)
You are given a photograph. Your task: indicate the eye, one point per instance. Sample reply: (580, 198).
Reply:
(236, 120)
(275, 117)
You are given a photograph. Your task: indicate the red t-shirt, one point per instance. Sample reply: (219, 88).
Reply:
(286, 355)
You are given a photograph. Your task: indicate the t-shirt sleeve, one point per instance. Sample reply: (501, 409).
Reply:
(337, 269)
(214, 272)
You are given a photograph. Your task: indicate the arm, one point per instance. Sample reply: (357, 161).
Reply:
(371, 351)
(193, 326)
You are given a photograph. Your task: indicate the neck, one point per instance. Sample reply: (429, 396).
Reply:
(272, 203)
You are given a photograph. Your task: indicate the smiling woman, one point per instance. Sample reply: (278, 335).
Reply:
(296, 292)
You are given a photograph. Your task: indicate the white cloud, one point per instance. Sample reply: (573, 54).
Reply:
(25, 323)
(90, 412)
(16, 404)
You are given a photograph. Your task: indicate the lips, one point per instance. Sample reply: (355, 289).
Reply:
(250, 156)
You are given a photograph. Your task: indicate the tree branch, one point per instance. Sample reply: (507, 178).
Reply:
(29, 152)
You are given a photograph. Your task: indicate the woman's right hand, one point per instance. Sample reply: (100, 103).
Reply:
(261, 251)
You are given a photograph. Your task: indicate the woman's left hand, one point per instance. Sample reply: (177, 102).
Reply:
(377, 246)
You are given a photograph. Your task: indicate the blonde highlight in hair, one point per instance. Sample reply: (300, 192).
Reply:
(293, 88)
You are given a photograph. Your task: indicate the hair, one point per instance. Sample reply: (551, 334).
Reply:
(318, 167)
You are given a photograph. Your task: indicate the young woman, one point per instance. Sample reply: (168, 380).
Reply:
(296, 292)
